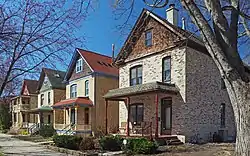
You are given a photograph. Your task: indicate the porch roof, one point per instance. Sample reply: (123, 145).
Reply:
(79, 101)
(41, 109)
(140, 89)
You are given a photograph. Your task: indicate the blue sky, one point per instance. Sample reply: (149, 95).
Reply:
(100, 27)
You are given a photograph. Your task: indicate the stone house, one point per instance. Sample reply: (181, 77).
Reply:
(50, 89)
(21, 104)
(89, 76)
(169, 84)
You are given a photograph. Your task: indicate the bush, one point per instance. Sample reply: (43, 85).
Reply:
(87, 144)
(24, 132)
(47, 131)
(141, 146)
(111, 143)
(67, 141)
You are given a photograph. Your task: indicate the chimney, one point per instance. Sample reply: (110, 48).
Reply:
(183, 23)
(172, 14)
(113, 53)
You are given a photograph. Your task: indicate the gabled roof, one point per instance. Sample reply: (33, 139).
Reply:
(55, 77)
(145, 14)
(97, 62)
(31, 86)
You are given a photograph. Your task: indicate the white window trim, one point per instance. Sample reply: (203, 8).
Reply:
(79, 63)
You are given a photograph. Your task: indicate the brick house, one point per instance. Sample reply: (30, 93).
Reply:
(169, 84)
(21, 104)
(50, 89)
(89, 76)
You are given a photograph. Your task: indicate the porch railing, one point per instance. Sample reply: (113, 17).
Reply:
(144, 129)
(59, 126)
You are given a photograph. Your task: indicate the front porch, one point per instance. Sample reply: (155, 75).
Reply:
(145, 110)
(73, 116)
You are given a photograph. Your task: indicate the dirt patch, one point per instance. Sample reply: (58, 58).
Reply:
(223, 149)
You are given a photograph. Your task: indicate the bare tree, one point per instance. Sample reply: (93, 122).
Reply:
(35, 33)
(223, 24)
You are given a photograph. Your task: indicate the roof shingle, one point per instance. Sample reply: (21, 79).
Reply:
(99, 63)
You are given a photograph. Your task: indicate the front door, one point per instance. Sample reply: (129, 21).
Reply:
(166, 116)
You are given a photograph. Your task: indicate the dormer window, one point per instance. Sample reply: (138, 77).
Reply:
(79, 66)
(148, 38)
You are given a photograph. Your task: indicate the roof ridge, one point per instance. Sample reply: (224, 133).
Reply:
(52, 69)
(95, 53)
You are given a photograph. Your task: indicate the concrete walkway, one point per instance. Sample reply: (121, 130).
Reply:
(12, 146)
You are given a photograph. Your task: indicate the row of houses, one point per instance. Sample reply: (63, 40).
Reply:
(162, 83)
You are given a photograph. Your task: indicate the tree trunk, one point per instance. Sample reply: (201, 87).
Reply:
(239, 94)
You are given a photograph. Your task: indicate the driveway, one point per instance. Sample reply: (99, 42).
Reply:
(12, 146)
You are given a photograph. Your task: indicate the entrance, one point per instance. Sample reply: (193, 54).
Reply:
(166, 116)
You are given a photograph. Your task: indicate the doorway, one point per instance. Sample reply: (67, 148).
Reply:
(166, 116)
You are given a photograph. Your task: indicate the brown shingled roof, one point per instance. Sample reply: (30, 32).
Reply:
(31, 85)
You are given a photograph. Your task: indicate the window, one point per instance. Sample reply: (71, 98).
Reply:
(136, 75)
(87, 88)
(79, 66)
(86, 116)
(73, 91)
(166, 69)
(23, 116)
(148, 38)
(136, 113)
(223, 86)
(15, 117)
(42, 99)
(222, 115)
(49, 119)
(49, 98)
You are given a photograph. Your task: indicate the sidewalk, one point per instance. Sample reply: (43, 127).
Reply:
(16, 147)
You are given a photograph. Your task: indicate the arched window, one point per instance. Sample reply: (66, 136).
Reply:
(87, 88)
(73, 91)
(136, 75)
(166, 69)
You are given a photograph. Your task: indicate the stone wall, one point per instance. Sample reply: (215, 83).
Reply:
(152, 71)
(204, 98)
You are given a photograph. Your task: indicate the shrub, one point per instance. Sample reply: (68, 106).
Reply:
(24, 132)
(111, 143)
(67, 141)
(141, 146)
(47, 131)
(87, 143)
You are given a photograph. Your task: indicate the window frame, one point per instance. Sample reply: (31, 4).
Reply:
(136, 75)
(79, 65)
(148, 39)
(135, 120)
(163, 69)
(86, 88)
(49, 99)
(73, 94)
(42, 99)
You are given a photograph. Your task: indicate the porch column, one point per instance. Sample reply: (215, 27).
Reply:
(156, 116)
(54, 118)
(64, 116)
(69, 117)
(128, 108)
(106, 117)
(76, 117)
(13, 121)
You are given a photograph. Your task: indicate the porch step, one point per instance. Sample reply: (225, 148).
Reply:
(169, 140)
